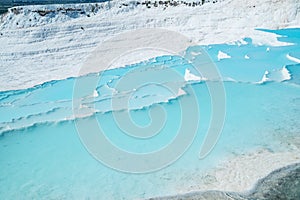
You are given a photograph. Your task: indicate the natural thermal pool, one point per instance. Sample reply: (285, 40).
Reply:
(42, 155)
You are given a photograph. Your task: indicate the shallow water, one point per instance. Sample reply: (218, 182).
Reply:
(42, 155)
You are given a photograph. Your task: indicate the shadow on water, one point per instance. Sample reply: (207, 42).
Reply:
(281, 184)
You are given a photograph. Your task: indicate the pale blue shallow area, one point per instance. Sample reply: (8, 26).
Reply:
(42, 157)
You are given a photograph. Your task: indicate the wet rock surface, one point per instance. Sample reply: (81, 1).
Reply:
(282, 184)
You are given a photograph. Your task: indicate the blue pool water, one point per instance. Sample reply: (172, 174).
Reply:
(42, 156)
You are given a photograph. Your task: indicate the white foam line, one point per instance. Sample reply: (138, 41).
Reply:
(222, 55)
(181, 92)
(286, 74)
(291, 58)
(264, 78)
(188, 76)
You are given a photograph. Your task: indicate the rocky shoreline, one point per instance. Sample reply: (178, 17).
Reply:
(281, 184)
(148, 4)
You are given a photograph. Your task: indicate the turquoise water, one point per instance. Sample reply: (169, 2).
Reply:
(43, 157)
